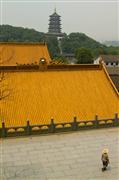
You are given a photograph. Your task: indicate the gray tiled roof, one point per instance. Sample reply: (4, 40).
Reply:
(110, 58)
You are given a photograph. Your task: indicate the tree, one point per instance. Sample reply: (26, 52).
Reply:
(77, 40)
(84, 56)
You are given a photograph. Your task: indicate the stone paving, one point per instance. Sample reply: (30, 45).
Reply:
(68, 156)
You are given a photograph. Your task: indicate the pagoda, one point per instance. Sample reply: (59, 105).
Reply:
(55, 25)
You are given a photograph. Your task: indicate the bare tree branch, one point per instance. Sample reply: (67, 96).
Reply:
(4, 93)
(7, 59)
(3, 76)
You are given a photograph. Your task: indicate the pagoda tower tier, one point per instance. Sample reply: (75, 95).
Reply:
(55, 25)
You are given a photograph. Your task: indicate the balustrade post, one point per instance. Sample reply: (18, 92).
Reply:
(116, 120)
(52, 126)
(74, 124)
(4, 132)
(28, 128)
(96, 121)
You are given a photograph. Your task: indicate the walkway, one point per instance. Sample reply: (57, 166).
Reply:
(73, 156)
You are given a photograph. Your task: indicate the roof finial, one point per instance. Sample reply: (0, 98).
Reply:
(55, 10)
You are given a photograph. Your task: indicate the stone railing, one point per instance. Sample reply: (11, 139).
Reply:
(58, 127)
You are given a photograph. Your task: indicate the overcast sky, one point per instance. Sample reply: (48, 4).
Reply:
(98, 19)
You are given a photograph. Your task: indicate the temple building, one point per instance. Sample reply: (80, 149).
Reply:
(16, 54)
(34, 89)
(55, 25)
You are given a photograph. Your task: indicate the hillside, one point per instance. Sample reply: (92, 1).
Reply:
(18, 34)
(77, 40)
(70, 43)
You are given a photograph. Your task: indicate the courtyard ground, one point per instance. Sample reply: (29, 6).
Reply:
(66, 156)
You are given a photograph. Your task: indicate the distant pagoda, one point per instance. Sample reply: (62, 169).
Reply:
(55, 25)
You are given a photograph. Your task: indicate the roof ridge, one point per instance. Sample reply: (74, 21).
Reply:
(26, 43)
(111, 82)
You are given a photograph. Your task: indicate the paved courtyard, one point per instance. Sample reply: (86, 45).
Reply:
(72, 156)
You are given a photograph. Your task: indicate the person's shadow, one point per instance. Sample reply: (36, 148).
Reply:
(107, 169)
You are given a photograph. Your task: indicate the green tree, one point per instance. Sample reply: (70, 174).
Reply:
(84, 56)
(77, 40)
(99, 51)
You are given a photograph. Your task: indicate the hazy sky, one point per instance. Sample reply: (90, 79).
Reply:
(97, 19)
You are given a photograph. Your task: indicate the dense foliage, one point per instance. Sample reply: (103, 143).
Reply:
(77, 40)
(18, 34)
(69, 43)
(84, 56)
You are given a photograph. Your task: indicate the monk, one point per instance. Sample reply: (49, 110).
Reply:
(105, 159)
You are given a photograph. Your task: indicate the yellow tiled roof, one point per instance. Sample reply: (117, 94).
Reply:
(12, 54)
(39, 96)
